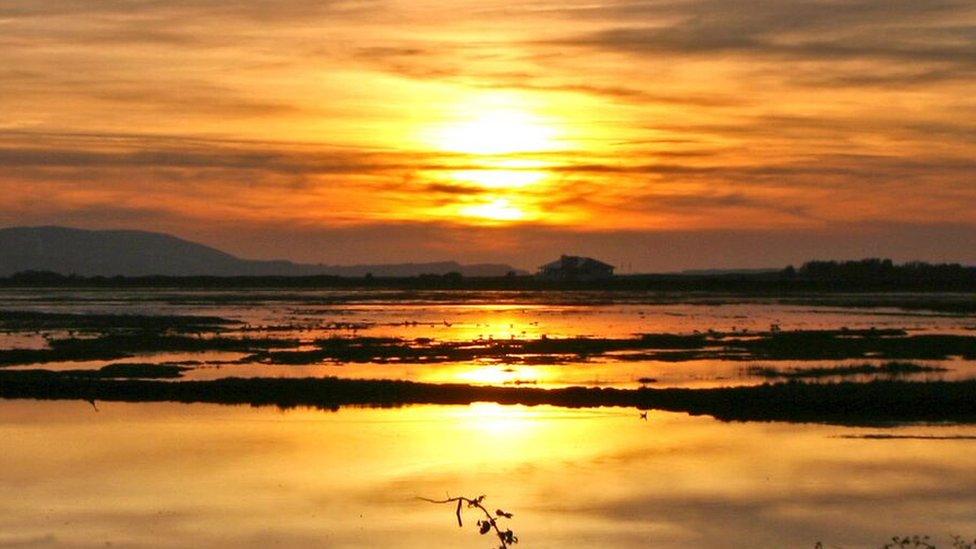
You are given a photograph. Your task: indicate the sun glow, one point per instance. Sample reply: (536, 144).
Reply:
(494, 124)
(499, 179)
(499, 209)
(490, 375)
(505, 421)
(497, 132)
(497, 139)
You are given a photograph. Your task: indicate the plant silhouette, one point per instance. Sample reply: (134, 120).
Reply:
(917, 542)
(958, 542)
(914, 542)
(506, 537)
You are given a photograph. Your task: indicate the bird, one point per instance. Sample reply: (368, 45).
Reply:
(643, 415)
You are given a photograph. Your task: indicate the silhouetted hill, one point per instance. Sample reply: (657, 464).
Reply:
(141, 253)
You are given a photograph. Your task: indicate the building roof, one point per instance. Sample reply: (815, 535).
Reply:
(576, 262)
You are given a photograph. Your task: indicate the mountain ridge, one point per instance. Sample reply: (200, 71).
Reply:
(133, 252)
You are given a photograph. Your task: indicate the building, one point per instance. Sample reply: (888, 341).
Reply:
(571, 267)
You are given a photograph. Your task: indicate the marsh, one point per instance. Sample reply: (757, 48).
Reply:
(318, 417)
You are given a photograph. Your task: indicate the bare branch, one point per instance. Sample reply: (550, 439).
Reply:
(489, 523)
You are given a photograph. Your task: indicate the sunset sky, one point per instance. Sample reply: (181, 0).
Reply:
(656, 135)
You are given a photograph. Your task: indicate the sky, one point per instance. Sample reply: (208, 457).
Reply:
(655, 135)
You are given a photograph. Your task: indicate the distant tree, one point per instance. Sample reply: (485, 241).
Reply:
(37, 277)
(884, 271)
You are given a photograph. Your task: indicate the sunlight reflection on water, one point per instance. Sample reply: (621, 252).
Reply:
(307, 315)
(205, 475)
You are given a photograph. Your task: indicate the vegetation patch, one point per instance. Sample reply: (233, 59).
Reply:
(14, 357)
(111, 371)
(118, 346)
(799, 345)
(875, 403)
(886, 369)
(41, 321)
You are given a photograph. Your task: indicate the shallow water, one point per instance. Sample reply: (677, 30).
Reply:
(470, 315)
(76, 474)
(151, 475)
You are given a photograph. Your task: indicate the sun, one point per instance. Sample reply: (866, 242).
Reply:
(497, 153)
(494, 125)
(499, 132)
(497, 210)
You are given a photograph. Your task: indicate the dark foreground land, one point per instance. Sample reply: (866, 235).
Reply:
(872, 403)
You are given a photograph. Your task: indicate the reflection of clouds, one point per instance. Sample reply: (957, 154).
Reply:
(159, 474)
(758, 487)
(30, 541)
(746, 486)
(790, 520)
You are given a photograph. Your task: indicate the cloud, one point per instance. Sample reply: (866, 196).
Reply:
(255, 10)
(710, 38)
(26, 149)
(427, 61)
(847, 44)
(239, 180)
(673, 115)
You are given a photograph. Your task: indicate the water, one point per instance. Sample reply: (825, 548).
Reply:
(163, 474)
(469, 315)
(206, 476)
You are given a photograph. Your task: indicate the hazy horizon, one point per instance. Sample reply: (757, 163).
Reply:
(667, 252)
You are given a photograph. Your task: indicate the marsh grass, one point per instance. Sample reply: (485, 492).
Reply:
(45, 321)
(111, 371)
(875, 403)
(126, 345)
(773, 345)
(891, 369)
(916, 542)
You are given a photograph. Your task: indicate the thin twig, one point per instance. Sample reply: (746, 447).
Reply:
(507, 538)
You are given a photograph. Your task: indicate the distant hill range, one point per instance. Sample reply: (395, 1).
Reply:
(141, 253)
